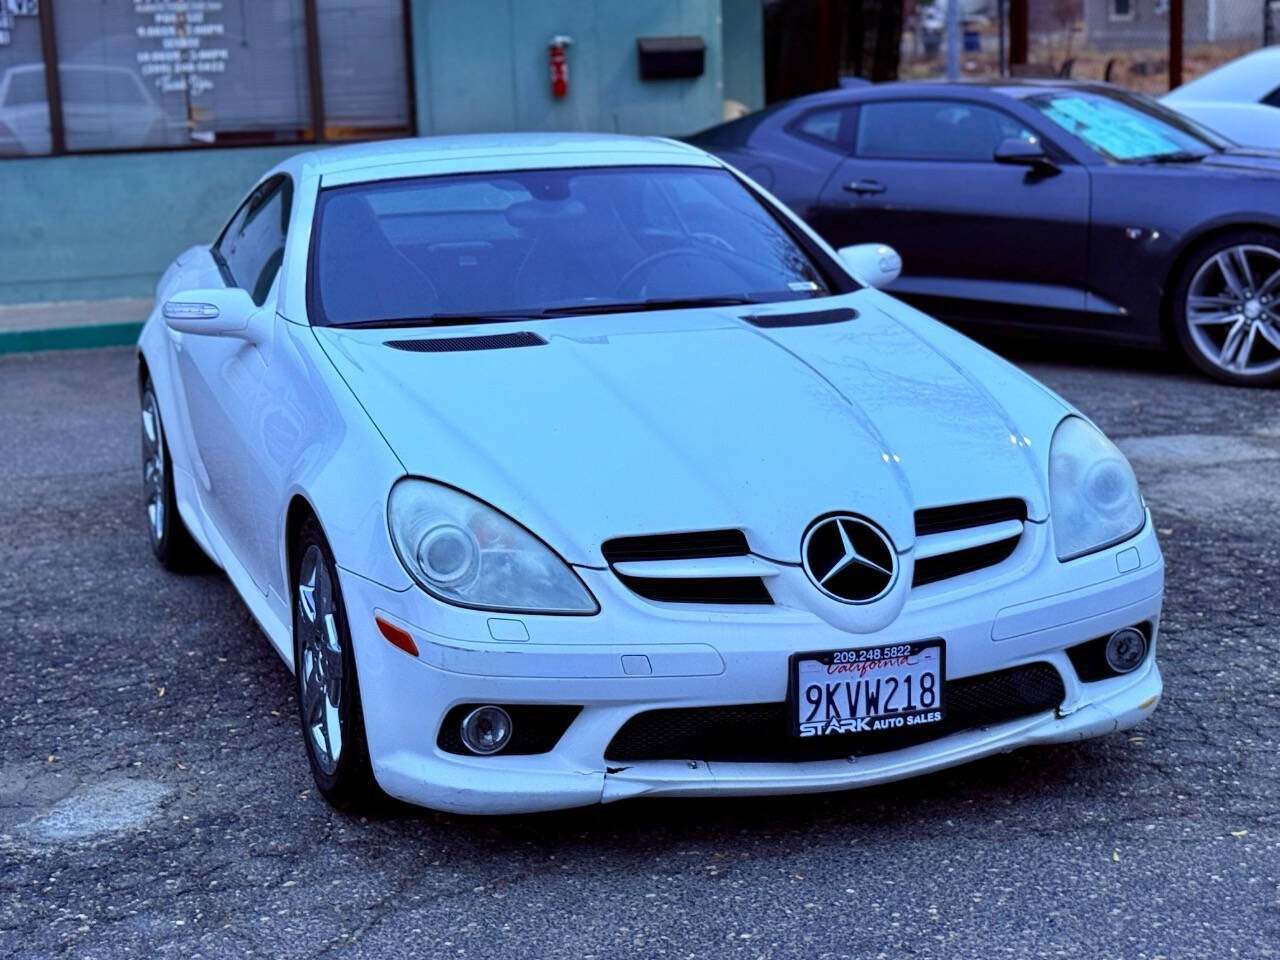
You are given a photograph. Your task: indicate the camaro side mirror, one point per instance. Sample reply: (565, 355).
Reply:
(1023, 153)
(212, 313)
(874, 264)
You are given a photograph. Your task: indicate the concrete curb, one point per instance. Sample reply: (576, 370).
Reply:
(69, 338)
(71, 324)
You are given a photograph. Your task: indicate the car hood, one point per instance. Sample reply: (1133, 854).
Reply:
(1250, 160)
(686, 420)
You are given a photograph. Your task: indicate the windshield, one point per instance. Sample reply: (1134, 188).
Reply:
(529, 243)
(1129, 130)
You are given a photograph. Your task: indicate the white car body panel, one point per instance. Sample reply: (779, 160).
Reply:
(1248, 124)
(628, 424)
(1246, 79)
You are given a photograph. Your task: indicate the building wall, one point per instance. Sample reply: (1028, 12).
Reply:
(504, 84)
(105, 225)
(93, 226)
(742, 40)
(1204, 21)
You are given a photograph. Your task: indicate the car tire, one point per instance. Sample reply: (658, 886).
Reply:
(1226, 308)
(328, 689)
(171, 541)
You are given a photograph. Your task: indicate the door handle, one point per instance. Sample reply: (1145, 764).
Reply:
(865, 186)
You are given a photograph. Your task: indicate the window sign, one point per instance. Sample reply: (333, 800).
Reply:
(171, 73)
(137, 74)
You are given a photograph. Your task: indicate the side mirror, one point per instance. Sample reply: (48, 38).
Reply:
(1023, 153)
(874, 264)
(211, 313)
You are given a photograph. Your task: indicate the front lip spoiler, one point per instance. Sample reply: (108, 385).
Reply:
(691, 778)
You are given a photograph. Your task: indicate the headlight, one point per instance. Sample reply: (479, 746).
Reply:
(463, 552)
(1093, 494)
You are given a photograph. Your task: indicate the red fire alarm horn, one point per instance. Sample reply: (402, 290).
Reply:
(558, 50)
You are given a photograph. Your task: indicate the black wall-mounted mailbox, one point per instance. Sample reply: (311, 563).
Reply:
(665, 57)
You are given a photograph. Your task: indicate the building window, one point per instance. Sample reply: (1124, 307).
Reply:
(139, 74)
(1120, 9)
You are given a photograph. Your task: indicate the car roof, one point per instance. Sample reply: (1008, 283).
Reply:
(493, 152)
(1245, 79)
(1015, 89)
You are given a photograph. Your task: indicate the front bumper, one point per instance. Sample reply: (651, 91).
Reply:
(637, 656)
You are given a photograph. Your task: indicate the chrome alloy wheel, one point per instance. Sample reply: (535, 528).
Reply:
(320, 666)
(153, 466)
(1233, 310)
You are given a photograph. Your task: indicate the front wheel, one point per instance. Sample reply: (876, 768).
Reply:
(171, 542)
(328, 688)
(1226, 308)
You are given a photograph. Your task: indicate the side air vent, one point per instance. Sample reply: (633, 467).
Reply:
(494, 341)
(810, 318)
(710, 566)
(962, 538)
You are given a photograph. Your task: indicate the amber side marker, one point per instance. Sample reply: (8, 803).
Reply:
(397, 637)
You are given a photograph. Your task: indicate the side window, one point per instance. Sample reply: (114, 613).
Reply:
(832, 127)
(934, 130)
(251, 249)
(1273, 98)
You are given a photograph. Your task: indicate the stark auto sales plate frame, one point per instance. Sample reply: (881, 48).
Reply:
(894, 686)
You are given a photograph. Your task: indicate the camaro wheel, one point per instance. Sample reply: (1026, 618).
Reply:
(328, 690)
(1227, 308)
(170, 540)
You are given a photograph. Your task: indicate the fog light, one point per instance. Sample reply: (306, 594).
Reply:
(486, 729)
(1126, 649)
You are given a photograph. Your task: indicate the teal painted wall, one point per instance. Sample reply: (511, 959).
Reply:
(502, 81)
(106, 225)
(94, 226)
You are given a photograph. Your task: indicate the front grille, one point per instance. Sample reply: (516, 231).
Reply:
(961, 516)
(757, 733)
(677, 546)
(703, 544)
(964, 516)
(534, 728)
(948, 565)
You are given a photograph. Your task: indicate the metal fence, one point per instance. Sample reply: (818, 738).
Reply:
(1122, 41)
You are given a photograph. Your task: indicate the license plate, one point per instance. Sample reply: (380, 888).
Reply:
(892, 687)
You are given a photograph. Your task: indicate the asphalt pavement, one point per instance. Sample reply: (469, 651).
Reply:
(155, 799)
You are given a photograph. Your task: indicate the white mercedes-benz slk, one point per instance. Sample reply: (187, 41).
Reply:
(564, 469)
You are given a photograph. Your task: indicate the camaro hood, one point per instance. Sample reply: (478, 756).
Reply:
(686, 420)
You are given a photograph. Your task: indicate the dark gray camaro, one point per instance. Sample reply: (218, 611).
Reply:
(1069, 208)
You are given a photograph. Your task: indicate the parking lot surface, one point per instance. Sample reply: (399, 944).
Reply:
(155, 798)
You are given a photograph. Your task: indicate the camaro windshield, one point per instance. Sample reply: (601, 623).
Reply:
(1128, 131)
(535, 243)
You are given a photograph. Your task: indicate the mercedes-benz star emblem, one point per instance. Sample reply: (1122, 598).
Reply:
(849, 559)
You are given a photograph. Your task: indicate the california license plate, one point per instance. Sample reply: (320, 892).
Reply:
(892, 687)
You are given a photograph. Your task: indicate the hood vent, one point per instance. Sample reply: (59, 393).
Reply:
(810, 318)
(493, 341)
(717, 583)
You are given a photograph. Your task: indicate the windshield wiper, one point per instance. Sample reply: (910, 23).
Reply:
(570, 310)
(637, 306)
(1181, 156)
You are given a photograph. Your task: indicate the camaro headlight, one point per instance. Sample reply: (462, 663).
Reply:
(464, 552)
(1093, 494)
